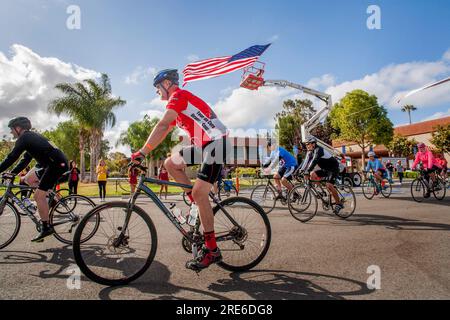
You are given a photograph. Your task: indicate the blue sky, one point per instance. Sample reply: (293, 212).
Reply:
(310, 39)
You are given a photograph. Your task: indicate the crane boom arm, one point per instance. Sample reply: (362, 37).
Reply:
(317, 117)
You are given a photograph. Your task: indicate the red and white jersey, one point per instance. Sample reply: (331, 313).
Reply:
(196, 118)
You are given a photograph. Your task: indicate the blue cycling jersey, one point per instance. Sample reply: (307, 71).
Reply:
(286, 158)
(375, 165)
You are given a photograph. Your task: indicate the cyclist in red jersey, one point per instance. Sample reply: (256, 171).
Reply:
(209, 145)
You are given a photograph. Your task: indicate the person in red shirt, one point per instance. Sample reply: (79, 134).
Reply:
(443, 163)
(209, 146)
(133, 174)
(164, 176)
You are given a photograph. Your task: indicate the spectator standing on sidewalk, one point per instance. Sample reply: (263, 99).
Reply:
(74, 177)
(102, 177)
(400, 170)
(133, 174)
(164, 176)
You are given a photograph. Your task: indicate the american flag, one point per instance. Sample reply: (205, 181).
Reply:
(215, 67)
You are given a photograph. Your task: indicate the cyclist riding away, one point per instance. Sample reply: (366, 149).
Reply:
(429, 164)
(209, 143)
(52, 160)
(329, 169)
(379, 171)
(287, 165)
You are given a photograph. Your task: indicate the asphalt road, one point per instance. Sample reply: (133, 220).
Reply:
(326, 258)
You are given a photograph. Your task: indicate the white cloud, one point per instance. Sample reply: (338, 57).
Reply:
(446, 55)
(273, 38)
(252, 109)
(438, 115)
(113, 136)
(193, 58)
(27, 85)
(323, 82)
(139, 75)
(157, 108)
(393, 82)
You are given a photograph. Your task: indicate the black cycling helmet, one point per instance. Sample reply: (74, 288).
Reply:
(311, 139)
(21, 122)
(167, 74)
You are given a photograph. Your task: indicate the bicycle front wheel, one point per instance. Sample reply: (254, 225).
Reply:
(224, 194)
(243, 233)
(67, 213)
(114, 255)
(302, 203)
(369, 189)
(9, 225)
(418, 190)
(386, 190)
(348, 199)
(264, 196)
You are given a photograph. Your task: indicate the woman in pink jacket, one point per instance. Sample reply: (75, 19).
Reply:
(429, 163)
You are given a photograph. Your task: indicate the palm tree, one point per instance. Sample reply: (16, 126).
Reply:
(408, 108)
(90, 104)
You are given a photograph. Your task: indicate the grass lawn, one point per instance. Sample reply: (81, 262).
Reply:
(114, 190)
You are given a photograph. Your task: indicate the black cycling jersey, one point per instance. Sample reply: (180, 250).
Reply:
(35, 146)
(322, 158)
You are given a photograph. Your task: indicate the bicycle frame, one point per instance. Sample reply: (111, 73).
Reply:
(10, 195)
(141, 187)
(312, 185)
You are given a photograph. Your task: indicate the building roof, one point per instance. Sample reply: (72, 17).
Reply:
(421, 127)
(408, 130)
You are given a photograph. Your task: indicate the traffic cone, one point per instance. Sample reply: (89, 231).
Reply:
(237, 180)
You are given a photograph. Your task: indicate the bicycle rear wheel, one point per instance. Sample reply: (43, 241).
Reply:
(113, 256)
(66, 215)
(264, 196)
(439, 189)
(58, 195)
(418, 190)
(369, 189)
(245, 245)
(9, 225)
(302, 203)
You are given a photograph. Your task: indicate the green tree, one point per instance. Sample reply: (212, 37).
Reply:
(5, 148)
(359, 118)
(64, 136)
(290, 120)
(137, 134)
(401, 146)
(441, 139)
(408, 108)
(116, 162)
(90, 104)
(324, 131)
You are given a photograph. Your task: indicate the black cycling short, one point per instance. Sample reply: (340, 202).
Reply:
(52, 176)
(211, 157)
(329, 176)
(286, 172)
(433, 169)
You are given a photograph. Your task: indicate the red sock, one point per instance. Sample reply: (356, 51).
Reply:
(210, 240)
(189, 194)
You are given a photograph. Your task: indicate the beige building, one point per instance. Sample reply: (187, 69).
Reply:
(421, 132)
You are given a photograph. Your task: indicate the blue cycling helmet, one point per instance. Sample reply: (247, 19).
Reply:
(167, 74)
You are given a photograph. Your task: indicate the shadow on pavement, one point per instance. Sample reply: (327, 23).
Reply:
(389, 222)
(155, 281)
(431, 200)
(290, 285)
